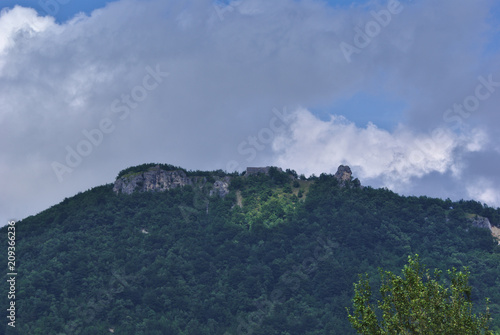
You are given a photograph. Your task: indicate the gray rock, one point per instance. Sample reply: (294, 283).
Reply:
(343, 174)
(158, 180)
(153, 180)
(221, 187)
(481, 222)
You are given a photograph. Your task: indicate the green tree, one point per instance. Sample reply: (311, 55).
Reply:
(417, 303)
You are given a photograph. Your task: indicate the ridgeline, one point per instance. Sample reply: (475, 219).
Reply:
(163, 250)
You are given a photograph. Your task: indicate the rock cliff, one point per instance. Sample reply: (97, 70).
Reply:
(343, 174)
(221, 187)
(481, 222)
(158, 180)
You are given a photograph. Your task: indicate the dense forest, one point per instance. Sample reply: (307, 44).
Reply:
(278, 255)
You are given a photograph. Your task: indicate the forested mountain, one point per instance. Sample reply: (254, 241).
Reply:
(169, 251)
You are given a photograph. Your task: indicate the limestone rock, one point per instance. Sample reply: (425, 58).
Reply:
(481, 222)
(343, 174)
(157, 180)
(221, 187)
(154, 179)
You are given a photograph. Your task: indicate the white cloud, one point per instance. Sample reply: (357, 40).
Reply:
(478, 140)
(315, 146)
(20, 23)
(484, 191)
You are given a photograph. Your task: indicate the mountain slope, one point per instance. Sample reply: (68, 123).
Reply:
(256, 259)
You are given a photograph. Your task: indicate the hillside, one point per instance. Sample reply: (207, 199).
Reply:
(164, 250)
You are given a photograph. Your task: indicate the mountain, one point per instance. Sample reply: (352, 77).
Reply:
(163, 250)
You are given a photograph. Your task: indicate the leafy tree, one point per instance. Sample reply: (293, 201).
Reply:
(417, 304)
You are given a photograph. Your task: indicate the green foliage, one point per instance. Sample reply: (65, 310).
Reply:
(417, 303)
(292, 173)
(279, 177)
(185, 262)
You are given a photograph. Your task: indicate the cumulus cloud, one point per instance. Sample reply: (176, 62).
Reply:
(316, 146)
(20, 24)
(228, 69)
(482, 190)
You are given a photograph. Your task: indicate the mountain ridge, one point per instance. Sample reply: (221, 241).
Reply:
(160, 178)
(185, 261)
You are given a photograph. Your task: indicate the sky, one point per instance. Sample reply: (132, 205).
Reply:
(404, 92)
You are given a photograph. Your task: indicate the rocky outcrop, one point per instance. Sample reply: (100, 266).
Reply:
(157, 180)
(495, 231)
(481, 222)
(343, 174)
(221, 187)
(154, 179)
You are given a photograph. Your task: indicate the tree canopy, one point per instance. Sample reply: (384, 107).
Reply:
(277, 255)
(417, 303)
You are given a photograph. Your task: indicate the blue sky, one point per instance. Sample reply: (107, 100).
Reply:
(386, 112)
(286, 82)
(62, 10)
